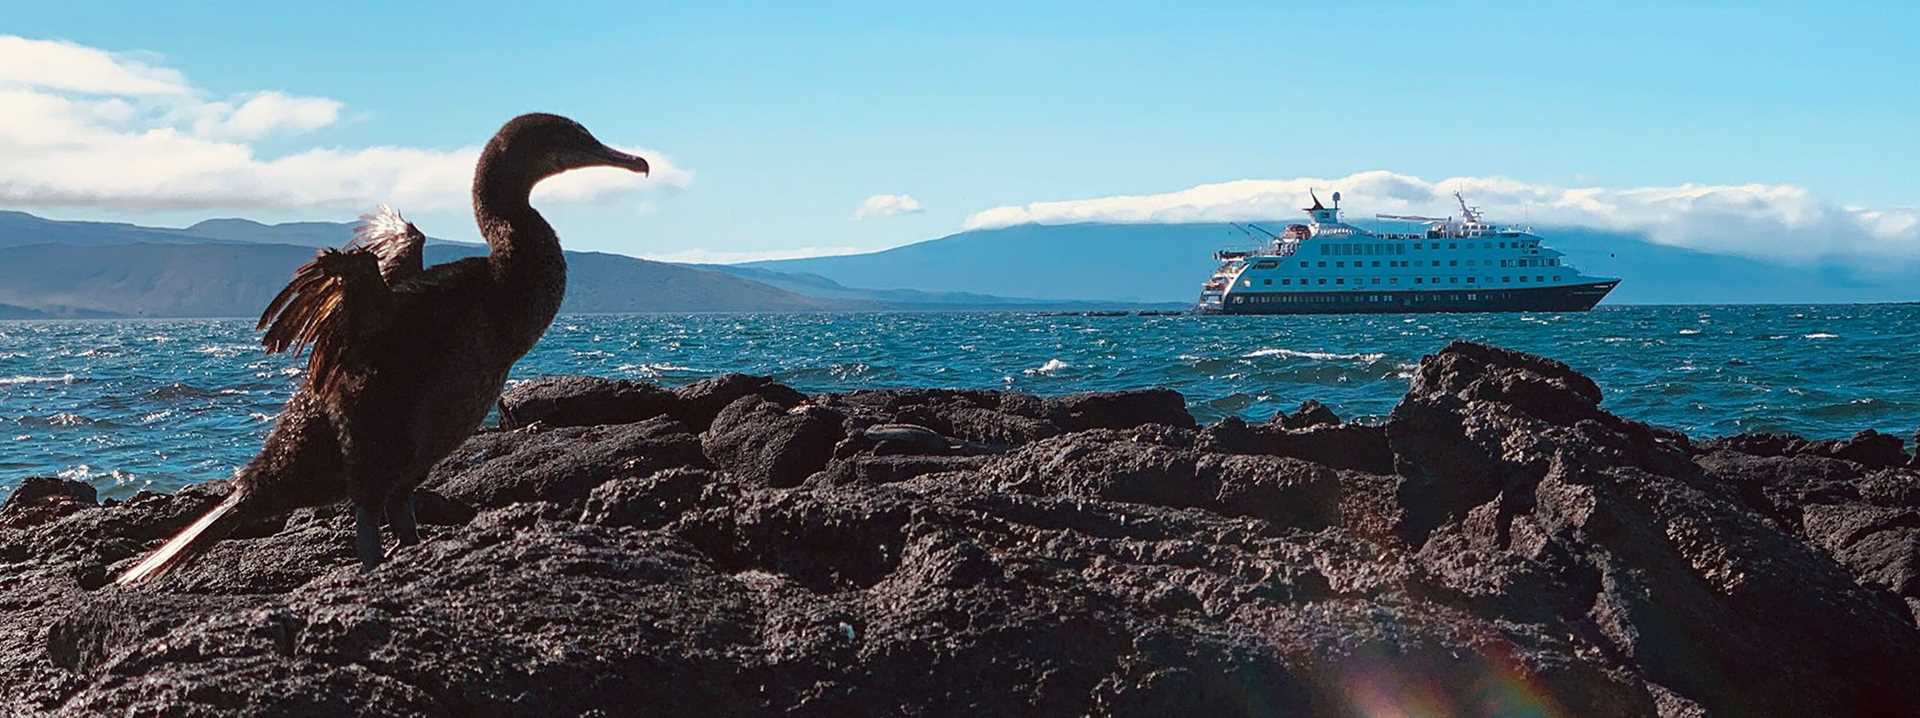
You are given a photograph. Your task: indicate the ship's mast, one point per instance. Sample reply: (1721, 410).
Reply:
(1472, 214)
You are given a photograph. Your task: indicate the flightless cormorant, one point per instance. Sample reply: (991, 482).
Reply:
(406, 360)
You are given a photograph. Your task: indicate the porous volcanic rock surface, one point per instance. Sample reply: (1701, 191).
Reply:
(1500, 545)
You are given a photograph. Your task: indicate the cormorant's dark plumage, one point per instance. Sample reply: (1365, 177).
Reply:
(405, 360)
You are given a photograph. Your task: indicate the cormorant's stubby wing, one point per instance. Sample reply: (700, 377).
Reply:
(341, 292)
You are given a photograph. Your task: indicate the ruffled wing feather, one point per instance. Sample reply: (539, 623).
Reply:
(315, 307)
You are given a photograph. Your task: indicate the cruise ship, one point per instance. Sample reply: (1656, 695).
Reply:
(1441, 264)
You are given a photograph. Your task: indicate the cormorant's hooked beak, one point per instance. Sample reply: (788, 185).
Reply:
(616, 158)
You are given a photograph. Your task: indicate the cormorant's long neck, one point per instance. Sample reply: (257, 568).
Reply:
(529, 269)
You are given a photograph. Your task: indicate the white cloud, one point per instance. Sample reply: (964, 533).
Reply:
(1757, 220)
(887, 205)
(66, 67)
(81, 126)
(267, 113)
(709, 256)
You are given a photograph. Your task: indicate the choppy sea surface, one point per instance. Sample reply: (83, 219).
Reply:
(154, 404)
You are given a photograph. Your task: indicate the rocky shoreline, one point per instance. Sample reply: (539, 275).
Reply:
(1499, 546)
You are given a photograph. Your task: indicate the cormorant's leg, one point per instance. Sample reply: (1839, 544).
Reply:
(366, 527)
(506, 416)
(406, 531)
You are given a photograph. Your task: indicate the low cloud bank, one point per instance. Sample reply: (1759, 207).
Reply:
(1755, 220)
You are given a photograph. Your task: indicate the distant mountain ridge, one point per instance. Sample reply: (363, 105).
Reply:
(306, 234)
(1167, 263)
(814, 285)
(233, 267)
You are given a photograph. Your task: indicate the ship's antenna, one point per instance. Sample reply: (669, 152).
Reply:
(1263, 230)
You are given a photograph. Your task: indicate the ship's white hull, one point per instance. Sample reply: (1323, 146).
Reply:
(1563, 298)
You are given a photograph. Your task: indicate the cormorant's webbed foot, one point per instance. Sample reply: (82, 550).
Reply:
(406, 531)
(366, 528)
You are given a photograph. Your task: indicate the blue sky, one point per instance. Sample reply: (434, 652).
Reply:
(785, 119)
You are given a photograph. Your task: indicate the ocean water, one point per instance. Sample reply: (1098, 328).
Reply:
(131, 405)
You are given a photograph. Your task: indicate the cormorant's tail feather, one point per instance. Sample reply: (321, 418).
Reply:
(190, 542)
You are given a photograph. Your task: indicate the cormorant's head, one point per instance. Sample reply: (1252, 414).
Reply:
(542, 145)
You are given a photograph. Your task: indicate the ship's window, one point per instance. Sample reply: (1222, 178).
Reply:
(1393, 280)
(1267, 264)
(1453, 280)
(1469, 280)
(1453, 245)
(1469, 262)
(1323, 249)
(1303, 265)
(1539, 278)
(1376, 262)
(1523, 279)
(1339, 281)
(1285, 282)
(1376, 280)
(1266, 281)
(1506, 280)
(1416, 280)
(1323, 265)
(1323, 280)
(1339, 264)
(1503, 245)
(1453, 262)
(1416, 245)
(1556, 277)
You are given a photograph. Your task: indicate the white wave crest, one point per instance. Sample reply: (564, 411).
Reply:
(23, 379)
(1053, 366)
(1316, 356)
